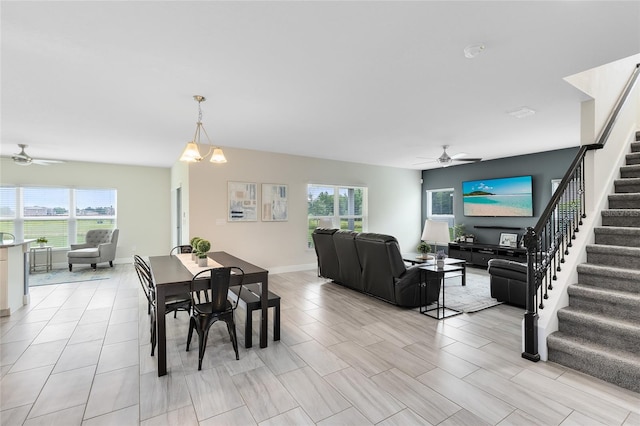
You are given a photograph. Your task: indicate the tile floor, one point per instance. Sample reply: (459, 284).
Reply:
(79, 354)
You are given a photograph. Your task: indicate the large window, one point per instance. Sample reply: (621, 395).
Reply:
(440, 205)
(62, 215)
(330, 206)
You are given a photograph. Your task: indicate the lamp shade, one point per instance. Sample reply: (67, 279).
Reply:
(218, 156)
(191, 153)
(436, 232)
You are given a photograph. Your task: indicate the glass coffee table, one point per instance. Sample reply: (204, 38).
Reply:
(414, 259)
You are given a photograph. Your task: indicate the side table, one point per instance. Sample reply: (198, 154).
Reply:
(33, 258)
(431, 273)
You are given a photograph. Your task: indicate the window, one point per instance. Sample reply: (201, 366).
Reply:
(330, 206)
(62, 215)
(440, 205)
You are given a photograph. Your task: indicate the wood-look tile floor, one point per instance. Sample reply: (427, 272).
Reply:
(80, 354)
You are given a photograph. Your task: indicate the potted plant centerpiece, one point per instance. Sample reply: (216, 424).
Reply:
(203, 248)
(194, 248)
(424, 249)
(42, 241)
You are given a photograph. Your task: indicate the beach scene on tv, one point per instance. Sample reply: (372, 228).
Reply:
(498, 197)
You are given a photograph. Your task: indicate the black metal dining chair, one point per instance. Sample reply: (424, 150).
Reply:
(210, 303)
(173, 303)
(181, 249)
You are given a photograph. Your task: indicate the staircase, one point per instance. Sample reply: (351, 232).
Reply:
(599, 332)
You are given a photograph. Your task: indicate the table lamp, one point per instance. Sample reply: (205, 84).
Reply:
(436, 232)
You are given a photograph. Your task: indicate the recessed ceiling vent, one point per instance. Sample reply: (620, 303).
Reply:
(522, 112)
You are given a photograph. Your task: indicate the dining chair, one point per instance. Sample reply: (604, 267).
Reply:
(173, 304)
(210, 303)
(181, 249)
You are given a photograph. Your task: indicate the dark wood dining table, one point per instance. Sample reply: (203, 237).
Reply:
(171, 277)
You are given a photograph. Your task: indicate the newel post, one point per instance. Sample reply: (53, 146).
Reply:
(531, 315)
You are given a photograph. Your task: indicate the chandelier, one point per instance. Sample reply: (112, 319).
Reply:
(191, 152)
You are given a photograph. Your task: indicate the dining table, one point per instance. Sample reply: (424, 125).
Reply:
(172, 277)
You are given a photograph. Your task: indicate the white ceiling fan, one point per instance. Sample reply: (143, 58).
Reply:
(446, 160)
(24, 159)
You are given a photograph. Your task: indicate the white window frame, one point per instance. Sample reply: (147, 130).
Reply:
(72, 218)
(336, 218)
(449, 218)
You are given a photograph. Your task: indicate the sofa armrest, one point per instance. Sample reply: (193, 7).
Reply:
(509, 265)
(81, 246)
(107, 250)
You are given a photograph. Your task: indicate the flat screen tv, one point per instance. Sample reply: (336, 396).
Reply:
(511, 196)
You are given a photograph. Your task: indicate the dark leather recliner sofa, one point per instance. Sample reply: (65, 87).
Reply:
(508, 281)
(370, 263)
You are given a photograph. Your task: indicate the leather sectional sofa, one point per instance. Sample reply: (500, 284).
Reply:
(370, 263)
(508, 281)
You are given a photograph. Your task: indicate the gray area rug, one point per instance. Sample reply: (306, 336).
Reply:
(61, 276)
(473, 297)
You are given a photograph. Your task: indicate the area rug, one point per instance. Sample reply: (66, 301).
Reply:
(473, 297)
(61, 276)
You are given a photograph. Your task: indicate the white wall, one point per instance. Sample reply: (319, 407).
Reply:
(143, 199)
(394, 204)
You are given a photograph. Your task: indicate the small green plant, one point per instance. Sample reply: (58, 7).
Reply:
(423, 248)
(42, 240)
(194, 242)
(203, 248)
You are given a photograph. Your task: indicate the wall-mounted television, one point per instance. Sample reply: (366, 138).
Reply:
(510, 196)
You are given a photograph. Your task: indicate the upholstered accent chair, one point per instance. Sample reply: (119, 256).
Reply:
(100, 246)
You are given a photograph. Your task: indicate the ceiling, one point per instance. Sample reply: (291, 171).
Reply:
(382, 83)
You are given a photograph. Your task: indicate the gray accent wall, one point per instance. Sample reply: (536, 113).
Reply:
(543, 167)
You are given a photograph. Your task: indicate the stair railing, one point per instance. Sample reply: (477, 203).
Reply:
(549, 241)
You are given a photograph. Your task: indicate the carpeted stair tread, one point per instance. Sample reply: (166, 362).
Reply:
(612, 332)
(616, 256)
(629, 200)
(619, 367)
(621, 217)
(621, 305)
(617, 230)
(629, 218)
(627, 184)
(633, 158)
(608, 277)
(631, 171)
(635, 146)
(617, 236)
(621, 212)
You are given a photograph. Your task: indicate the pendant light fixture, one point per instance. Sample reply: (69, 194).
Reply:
(191, 152)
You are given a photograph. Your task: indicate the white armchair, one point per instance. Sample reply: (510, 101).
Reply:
(100, 246)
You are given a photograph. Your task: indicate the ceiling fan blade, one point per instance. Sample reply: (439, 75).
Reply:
(458, 155)
(43, 162)
(468, 159)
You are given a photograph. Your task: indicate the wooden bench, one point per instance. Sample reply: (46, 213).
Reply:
(250, 300)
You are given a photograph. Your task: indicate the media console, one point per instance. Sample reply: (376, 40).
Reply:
(477, 254)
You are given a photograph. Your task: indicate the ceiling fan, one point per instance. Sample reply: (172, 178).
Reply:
(24, 159)
(445, 160)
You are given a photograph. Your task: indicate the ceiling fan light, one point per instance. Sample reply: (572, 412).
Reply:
(191, 154)
(218, 156)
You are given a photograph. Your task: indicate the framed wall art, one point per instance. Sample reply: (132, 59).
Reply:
(243, 202)
(274, 202)
(508, 240)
